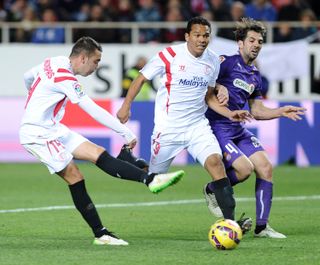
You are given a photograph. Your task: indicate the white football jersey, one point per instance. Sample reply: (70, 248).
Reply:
(53, 84)
(184, 80)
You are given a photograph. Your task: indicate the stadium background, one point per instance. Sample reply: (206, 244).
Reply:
(38, 223)
(292, 67)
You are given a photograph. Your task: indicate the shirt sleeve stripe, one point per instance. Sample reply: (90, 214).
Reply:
(168, 75)
(64, 78)
(58, 106)
(36, 83)
(171, 51)
(63, 70)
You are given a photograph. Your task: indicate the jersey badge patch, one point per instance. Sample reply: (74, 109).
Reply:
(182, 68)
(78, 89)
(222, 58)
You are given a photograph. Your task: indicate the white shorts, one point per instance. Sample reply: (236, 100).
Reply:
(199, 141)
(55, 150)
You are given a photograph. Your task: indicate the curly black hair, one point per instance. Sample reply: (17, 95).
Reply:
(196, 21)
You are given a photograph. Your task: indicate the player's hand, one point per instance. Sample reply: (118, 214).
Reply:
(292, 112)
(123, 114)
(241, 116)
(222, 95)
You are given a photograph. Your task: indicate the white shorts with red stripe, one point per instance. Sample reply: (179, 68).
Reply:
(54, 150)
(198, 140)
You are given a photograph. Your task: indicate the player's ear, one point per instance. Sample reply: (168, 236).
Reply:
(83, 57)
(240, 44)
(186, 36)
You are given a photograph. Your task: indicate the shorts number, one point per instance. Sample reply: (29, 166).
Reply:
(231, 149)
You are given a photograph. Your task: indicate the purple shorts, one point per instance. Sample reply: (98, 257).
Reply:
(235, 142)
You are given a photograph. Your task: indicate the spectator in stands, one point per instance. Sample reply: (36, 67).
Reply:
(3, 12)
(101, 35)
(172, 34)
(220, 9)
(48, 34)
(67, 9)
(16, 10)
(208, 15)
(24, 33)
(237, 11)
(83, 14)
(283, 33)
(307, 17)
(197, 7)
(125, 13)
(148, 11)
(277, 4)
(42, 5)
(109, 9)
(292, 10)
(261, 10)
(182, 5)
(3, 17)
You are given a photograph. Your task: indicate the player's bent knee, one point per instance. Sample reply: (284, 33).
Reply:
(265, 171)
(245, 173)
(71, 173)
(214, 161)
(244, 169)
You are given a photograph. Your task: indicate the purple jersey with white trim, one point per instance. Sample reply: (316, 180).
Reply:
(242, 81)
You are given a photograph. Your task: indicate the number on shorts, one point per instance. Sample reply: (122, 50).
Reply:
(231, 148)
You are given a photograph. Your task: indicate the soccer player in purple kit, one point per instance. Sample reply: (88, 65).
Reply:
(242, 151)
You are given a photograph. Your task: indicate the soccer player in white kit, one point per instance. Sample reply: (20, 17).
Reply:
(187, 71)
(50, 85)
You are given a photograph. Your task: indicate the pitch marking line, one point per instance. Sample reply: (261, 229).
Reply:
(159, 203)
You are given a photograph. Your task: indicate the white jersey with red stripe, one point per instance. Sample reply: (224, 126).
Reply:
(184, 80)
(52, 83)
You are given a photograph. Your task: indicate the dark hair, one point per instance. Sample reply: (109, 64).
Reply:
(248, 24)
(196, 21)
(85, 44)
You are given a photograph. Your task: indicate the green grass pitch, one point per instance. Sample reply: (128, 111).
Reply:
(168, 228)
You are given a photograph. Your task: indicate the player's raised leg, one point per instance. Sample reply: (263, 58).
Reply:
(125, 170)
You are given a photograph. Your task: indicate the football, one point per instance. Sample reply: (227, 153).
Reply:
(225, 234)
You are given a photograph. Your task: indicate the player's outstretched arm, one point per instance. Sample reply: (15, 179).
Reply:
(123, 113)
(261, 112)
(105, 118)
(236, 115)
(292, 112)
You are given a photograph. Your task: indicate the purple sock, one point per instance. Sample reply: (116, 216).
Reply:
(263, 201)
(210, 186)
(232, 176)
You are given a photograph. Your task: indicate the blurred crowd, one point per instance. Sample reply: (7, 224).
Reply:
(51, 11)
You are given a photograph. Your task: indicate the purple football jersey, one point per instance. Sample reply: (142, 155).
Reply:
(242, 81)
